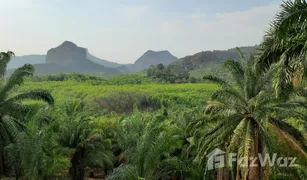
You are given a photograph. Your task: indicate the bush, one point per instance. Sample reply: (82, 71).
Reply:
(124, 102)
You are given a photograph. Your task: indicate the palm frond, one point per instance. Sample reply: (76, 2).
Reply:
(216, 80)
(236, 70)
(17, 78)
(5, 58)
(290, 139)
(292, 131)
(292, 13)
(33, 95)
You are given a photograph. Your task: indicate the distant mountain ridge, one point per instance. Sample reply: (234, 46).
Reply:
(206, 59)
(68, 57)
(19, 61)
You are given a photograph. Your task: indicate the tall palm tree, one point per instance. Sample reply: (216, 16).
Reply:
(240, 118)
(285, 43)
(12, 110)
(86, 145)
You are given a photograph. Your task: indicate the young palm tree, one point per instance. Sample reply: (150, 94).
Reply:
(87, 146)
(35, 153)
(12, 110)
(242, 116)
(147, 143)
(285, 43)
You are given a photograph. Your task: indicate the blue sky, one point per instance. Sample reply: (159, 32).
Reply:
(122, 30)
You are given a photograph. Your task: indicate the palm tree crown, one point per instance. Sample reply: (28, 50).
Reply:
(285, 43)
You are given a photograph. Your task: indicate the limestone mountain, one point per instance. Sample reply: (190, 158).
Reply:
(67, 52)
(68, 57)
(153, 58)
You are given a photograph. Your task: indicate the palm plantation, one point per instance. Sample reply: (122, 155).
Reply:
(146, 144)
(86, 146)
(260, 109)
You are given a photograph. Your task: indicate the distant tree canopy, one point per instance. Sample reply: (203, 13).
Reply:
(169, 75)
(94, 80)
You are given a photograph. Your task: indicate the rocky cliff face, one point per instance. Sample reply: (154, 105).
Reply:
(67, 52)
(68, 57)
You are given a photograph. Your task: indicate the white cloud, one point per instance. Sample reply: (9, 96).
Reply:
(224, 31)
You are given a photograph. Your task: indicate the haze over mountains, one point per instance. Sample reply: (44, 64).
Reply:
(68, 57)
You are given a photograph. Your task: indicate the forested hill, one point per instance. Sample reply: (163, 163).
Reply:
(201, 60)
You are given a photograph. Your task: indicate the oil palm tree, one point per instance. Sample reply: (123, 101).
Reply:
(12, 110)
(240, 117)
(285, 43)
(86, 145)
(35, 154)
(147, 143)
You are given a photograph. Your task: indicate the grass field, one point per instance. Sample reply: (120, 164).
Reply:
(192, 94)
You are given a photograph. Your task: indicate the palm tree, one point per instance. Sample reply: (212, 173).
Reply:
(147, 144)
(35, 154)
(87, 145)
(285, 43)
(241, 117)
(12, 109)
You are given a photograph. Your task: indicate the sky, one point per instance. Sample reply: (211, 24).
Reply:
(122, 30)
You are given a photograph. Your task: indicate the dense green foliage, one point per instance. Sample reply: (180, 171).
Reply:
(285, 45)
(94, 80)
(166, 75)
(13, 111)
(246, 114)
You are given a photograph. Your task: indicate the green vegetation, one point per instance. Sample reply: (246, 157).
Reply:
(249, 114)
(159, 126)
(165, 75)
(13, 112)
(118, 97)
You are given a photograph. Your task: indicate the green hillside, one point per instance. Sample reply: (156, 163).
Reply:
(206, 59)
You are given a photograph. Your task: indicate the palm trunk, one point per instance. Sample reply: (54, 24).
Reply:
(77, 170)
(254, 173)
(223, 173)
